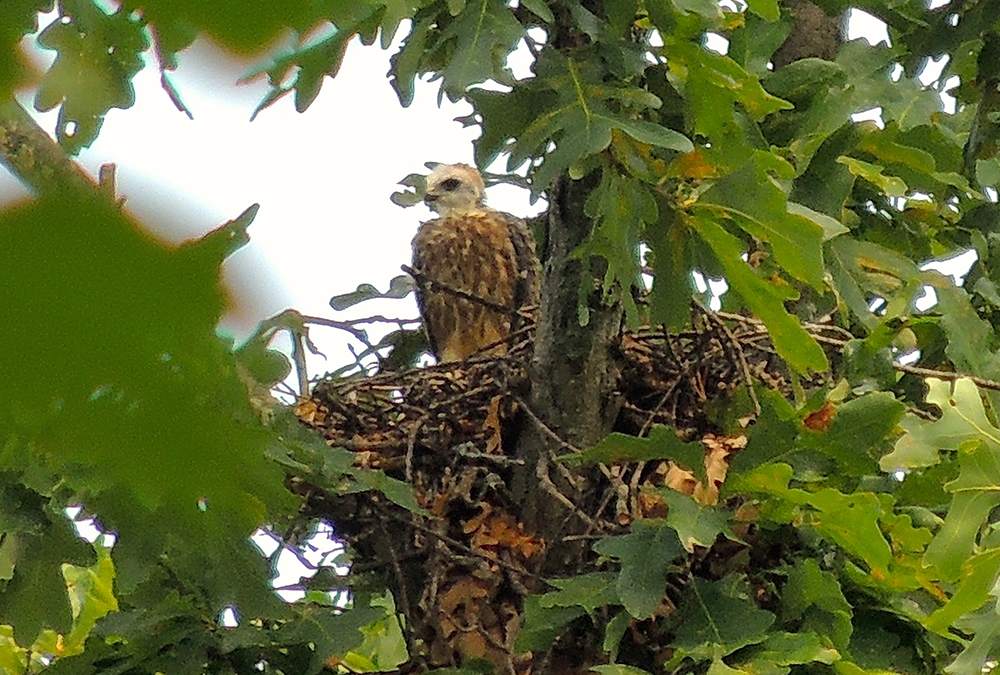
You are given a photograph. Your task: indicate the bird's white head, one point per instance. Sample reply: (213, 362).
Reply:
(453, 188)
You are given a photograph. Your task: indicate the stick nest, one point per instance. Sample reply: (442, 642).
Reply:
(665, 379)
(460, 575)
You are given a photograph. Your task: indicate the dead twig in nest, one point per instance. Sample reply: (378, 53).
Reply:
(542, 474)
(740, 357)
(547, 429)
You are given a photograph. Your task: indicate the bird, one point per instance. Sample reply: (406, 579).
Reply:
(475, 267)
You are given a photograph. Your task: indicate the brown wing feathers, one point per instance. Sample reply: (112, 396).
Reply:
(476, 250)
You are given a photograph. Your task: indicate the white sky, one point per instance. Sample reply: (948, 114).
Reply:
(323, 178)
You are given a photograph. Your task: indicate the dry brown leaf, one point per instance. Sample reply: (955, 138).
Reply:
(308, 411)
(501, 531)
(462, 593)
(820, 420)
(439, 507)
(680, 480)
(492, 427)
(472, 644)
(367, 459)
(477, 521)
(651, 505)
(717, 452)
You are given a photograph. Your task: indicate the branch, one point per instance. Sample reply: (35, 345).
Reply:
(37, 160)
(547, 429)
(542, 474)
(946, 375)
(573, 370)
(737, 354)
(351, 326)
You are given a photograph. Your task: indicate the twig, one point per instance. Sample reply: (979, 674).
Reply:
(428, 284)
(351, 325)
(283, 388)
(922, 414)
(462, 547)
(299, 356)
(669, 344)
(833, 328)
(462, 395)
(499, 460)
(404, 596)
(548, 431)
(38, 161)
(542, 473)
(946, 375)
(670, 390)
(741, 358)
(107, 179)
(634, 489)
(583, 537)
(577, 482)
(605, 500)
(740, 318)
(347, 326)
(482, 354)
(411, 441)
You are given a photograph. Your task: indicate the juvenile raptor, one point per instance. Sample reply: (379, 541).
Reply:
(475, 251)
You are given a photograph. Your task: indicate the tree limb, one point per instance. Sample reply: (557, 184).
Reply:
(37, 160)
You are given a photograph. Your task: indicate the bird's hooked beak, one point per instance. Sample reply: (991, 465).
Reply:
(430, 200)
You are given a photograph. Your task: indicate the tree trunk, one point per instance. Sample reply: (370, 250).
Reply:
(573, 378)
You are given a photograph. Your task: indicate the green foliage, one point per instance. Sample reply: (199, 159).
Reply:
(814, 598)
(661, 443)
(862, 548)
(569, 104)
(122, 397)
(755, 202)
(97, 56)
(643, 555)
(764, 297)
(696, 525)
(399, 287)
(719, 618)
(17, 18)
(119, 396)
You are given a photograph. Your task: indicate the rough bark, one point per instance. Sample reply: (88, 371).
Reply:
(573, 376)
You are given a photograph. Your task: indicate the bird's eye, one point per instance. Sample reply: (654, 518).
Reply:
(450, 184)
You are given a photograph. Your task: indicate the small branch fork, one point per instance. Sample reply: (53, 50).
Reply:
(736, 353)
